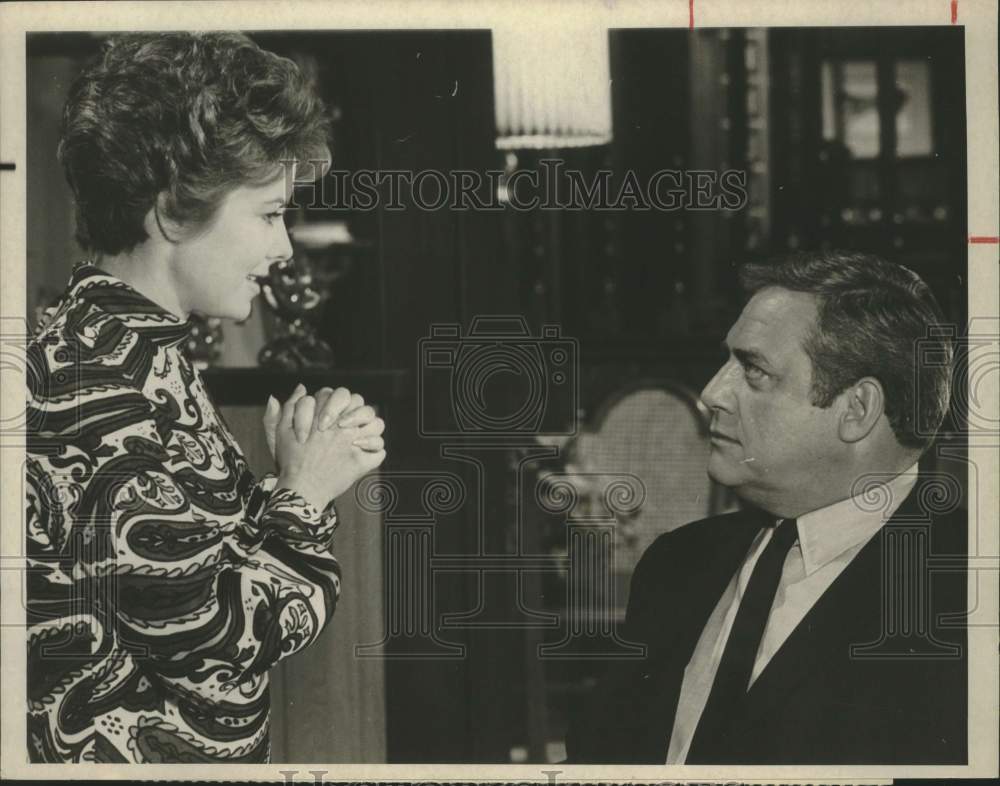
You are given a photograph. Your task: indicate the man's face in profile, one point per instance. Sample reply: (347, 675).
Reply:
(768, 440)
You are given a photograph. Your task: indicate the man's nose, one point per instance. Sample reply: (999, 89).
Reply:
(717, 394)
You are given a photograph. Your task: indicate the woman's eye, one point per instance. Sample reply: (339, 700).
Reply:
(275, 216)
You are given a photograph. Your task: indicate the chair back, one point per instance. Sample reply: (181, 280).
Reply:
(657, 431)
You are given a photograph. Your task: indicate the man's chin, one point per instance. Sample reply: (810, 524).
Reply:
(724, 471)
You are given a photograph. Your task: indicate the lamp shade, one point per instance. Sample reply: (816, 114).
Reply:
(552, 85)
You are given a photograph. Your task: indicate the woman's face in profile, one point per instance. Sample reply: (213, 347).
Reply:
(247, 235)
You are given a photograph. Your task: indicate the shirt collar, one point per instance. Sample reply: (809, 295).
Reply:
(827, 533)
(154, 323)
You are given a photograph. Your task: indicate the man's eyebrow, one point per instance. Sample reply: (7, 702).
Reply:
(280, 202)
(750, 356)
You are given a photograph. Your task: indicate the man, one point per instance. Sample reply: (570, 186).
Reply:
(806, 628)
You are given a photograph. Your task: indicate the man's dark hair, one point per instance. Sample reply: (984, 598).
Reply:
(190, 115)
(872, 317)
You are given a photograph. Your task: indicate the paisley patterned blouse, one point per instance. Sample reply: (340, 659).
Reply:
(164, 581)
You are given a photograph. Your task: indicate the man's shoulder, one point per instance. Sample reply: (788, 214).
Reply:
(697, 536)
(935, 504)
(682, 573)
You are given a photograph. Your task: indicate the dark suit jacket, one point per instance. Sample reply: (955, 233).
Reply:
(819, 700)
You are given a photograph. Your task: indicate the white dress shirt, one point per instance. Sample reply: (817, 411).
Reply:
(828, 539)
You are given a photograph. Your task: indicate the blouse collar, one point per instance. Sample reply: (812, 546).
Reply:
(109, 293)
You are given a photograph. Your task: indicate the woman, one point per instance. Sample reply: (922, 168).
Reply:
(164, 580)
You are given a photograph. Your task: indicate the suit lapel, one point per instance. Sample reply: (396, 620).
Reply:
(836, 621)
(844, 616)
(691, 601)
(681, 607)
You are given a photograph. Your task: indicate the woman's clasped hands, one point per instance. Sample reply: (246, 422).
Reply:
(323, 444)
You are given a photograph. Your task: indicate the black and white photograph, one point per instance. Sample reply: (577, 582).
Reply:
(531, 392)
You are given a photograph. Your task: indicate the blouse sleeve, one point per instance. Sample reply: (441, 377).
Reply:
(143, 528)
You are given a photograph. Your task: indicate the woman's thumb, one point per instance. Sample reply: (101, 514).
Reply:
(272, 412)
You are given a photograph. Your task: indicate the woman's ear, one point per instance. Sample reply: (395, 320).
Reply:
(865, 404)
(157, 224)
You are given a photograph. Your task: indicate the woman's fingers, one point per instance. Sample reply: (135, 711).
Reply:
(302, 419)
(373, 428)
(332, 409)
(272, 414)
(305, 414)
(331, 406)
(358, 418)
(322, 396)
(369, 436)
(372, 443)
(288, 409)
(370, 460)
(354, 403)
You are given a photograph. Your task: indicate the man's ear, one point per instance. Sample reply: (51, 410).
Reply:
(864, 405)
(158, 224)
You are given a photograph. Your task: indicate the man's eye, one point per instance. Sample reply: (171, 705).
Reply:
(275, 216)
(754, 372)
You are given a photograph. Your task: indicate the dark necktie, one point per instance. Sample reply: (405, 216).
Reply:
(732, 680)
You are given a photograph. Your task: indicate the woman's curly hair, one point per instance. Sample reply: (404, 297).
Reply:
(189, 115)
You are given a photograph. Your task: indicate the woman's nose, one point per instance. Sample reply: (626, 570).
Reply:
(283, 245)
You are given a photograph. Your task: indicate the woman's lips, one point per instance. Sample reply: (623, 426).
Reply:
(718, 436)
(257, 282)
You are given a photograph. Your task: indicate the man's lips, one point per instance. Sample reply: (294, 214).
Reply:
(718, 436)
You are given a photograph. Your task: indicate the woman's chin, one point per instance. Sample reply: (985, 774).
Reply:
(234, 313)
(241, 315)
(240, 310)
